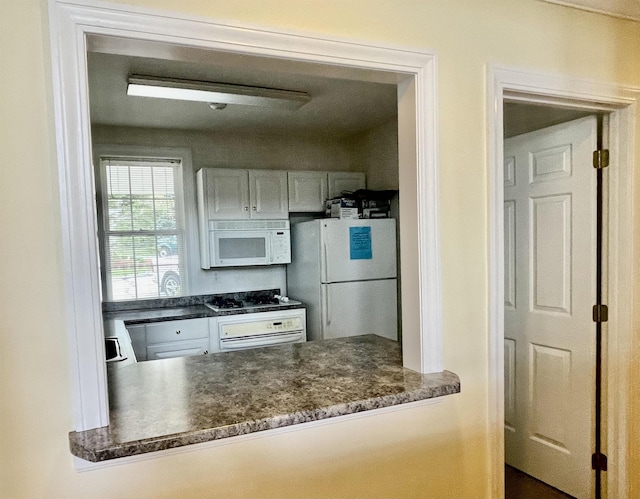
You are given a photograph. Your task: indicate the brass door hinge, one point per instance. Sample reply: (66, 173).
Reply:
(601, 158)
(600, 313)
(599, 462)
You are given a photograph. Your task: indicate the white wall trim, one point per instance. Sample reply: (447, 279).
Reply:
(72, 21)
(621, 101)
(626, 9)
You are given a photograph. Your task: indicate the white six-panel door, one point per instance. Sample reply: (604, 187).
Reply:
(550, 262)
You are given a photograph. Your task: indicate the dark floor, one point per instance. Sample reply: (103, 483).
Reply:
(519, 485)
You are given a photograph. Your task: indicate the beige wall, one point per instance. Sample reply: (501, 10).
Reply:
(233, 150)
(376, 153)
(438, 450)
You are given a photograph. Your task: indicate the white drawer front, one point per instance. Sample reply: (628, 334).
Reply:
(178, 349)
(188, 329)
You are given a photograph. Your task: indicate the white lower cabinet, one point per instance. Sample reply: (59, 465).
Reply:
(180, 330)
(138, 335)
(164, 340)
(214, 337)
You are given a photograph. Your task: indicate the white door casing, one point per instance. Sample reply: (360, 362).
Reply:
(621, 102)
(550, 222)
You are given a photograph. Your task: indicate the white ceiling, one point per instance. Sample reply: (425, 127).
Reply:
(340, 105)
(344, 101)
(522, 117)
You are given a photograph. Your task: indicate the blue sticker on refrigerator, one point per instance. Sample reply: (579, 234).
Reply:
(360, 243)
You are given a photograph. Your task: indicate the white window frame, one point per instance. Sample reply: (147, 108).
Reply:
(104, 219)
(73, 21)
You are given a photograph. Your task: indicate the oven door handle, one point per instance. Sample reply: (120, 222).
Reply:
(240, 343)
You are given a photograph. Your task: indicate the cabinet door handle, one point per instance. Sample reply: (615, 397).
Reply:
(178, 331)
(246, 208)
(254, 208)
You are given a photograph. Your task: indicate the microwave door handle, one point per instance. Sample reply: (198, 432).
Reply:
(213, 250)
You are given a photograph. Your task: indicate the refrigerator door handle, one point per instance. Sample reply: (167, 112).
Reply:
(327, 307)
(325, 263)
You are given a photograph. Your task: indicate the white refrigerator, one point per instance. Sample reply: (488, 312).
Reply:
(345, 272)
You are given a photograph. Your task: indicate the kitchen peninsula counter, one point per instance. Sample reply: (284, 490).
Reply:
(170, 403)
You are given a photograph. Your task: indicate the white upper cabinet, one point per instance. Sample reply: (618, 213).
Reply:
(307, 191)
(231, 194)
(268, 194)
(226, 193)
(234, 194)
(340, 182)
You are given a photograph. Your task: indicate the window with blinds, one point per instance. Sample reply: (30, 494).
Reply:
(142, 227)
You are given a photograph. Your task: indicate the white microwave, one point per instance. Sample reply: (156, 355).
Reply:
(234, 243)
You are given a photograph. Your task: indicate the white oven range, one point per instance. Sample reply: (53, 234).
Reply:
(255, 319)
(260, 329)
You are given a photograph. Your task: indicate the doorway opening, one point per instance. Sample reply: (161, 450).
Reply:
(77, 28)
(552, 241)
(618, 102)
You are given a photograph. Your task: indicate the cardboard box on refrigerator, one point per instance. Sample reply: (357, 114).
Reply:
(342, 208)
(375, 213)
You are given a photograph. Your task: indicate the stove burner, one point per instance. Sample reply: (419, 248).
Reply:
(227, 303)
(262, 300)
(253, 300)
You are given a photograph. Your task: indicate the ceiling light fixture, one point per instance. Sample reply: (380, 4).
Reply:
(219, 93)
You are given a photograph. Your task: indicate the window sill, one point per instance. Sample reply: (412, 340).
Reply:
(171, 403)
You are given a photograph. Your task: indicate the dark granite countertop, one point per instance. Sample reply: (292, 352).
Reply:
(175, 402)
(143, 316)
(184, 307)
